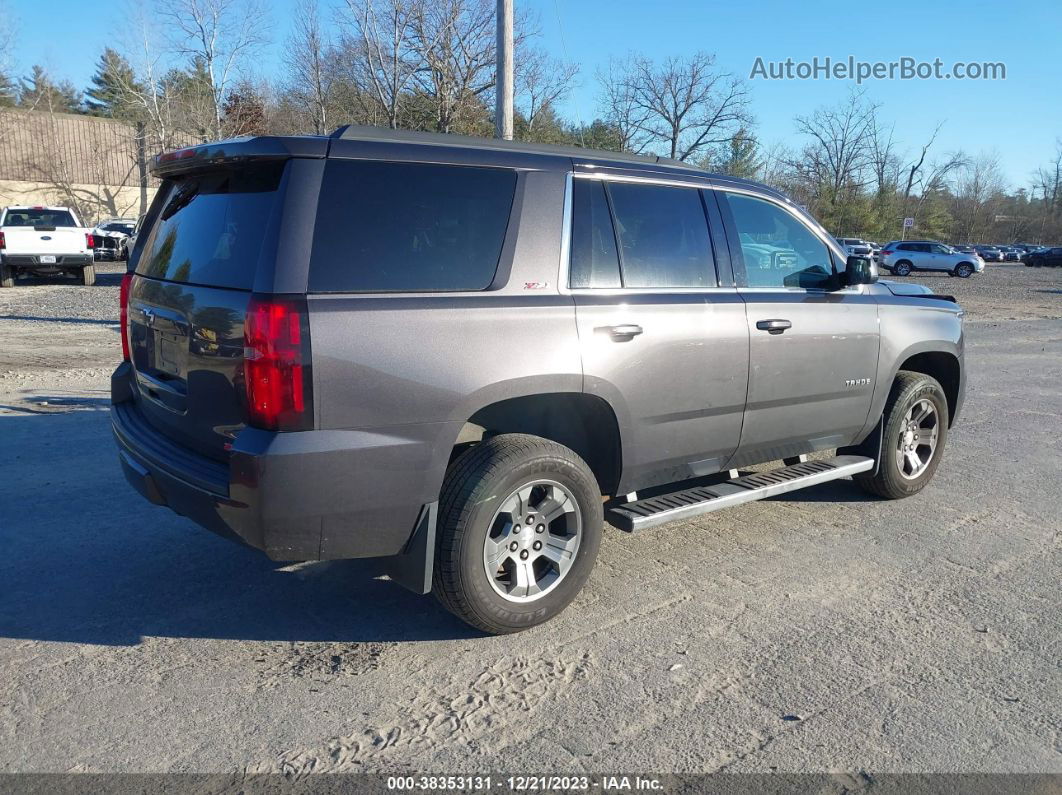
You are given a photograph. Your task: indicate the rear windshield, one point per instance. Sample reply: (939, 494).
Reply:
(210, 227)
(407, 227)
(40, 217)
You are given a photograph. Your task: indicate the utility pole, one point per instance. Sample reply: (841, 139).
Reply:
(503, 101)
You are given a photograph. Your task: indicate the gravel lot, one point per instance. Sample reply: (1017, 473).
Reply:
(821, 630)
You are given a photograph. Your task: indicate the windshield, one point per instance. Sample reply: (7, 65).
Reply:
(38, 217)
(116, 227)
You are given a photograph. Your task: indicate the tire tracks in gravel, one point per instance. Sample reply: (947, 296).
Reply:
(501, 700)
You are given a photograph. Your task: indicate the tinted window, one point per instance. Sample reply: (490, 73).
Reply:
(779, 251)
(210, 227)
(663, 235)
(403, 227)
(40, 217)
(594, 262)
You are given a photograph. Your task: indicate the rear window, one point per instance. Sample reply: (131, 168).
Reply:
(408, 227)
(39, 217)
(210, 227)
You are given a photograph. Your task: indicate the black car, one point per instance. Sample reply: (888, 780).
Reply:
(989, 253)
(1044, 257)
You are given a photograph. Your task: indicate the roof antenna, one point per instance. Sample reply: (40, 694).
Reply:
(564, 49)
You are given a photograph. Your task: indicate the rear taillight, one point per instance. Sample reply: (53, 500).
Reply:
(885, 253)
(3, 241)
(276, 363)
(123, 300)
(90, 241)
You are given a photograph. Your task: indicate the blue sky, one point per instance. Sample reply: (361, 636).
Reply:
(1019, 118)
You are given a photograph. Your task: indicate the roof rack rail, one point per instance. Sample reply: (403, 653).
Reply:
(357, 132)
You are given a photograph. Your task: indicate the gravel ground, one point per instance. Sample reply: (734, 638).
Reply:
(819, 631)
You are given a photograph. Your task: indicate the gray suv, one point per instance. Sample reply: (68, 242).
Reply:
(463, 356)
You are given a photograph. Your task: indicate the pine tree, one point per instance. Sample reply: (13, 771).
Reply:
(8, 91)
(39, 92)
(112, 82)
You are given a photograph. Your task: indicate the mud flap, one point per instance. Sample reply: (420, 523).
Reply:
(869, 447)
(412, 568)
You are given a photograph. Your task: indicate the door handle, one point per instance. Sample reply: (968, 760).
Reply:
(622, 333)
(773, 326)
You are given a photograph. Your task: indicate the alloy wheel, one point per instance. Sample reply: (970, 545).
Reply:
(917, 442)
(532, 541)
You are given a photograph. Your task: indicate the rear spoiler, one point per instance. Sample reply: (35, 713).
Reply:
(949, 298)
(238, 150)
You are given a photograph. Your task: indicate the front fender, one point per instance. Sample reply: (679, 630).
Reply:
(911, 326)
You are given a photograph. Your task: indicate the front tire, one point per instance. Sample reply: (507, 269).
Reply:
(964, 270)
(520, 523)
(916, 431)
(88, 275)
(902, 268)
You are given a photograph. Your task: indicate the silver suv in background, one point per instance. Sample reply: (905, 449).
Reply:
(901, 257)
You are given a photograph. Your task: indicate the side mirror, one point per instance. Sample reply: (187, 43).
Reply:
(860, 270)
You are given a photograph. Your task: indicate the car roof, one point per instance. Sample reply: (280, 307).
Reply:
(385, 143)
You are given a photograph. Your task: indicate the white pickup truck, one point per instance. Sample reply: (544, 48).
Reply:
(44, 241)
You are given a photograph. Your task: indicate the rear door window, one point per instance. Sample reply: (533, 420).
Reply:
(594, 261)
(663, 236)
(210, 227)
(408, 227)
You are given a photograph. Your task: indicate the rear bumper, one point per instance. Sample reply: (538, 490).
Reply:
(33, 261)
(311, 495)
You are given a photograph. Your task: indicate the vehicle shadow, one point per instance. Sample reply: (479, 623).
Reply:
(89, 561)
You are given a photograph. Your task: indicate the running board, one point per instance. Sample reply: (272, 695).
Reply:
(654, 511)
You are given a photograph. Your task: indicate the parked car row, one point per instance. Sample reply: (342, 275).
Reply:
(902, 257)
(1045, 256)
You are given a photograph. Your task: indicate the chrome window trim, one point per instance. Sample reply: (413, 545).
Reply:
(566, 232)
(706, 184)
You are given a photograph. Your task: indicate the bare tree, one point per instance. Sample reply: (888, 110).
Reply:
(977, 194)
(840, 150)
(683, 106)
(1049, 181)
(220, 36)
(455, 39)
(311, 65)
(541, 82)
(381, 51)
(618, 106)
(149, 96)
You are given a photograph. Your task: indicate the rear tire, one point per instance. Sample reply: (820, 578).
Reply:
(488, 513)
(916, 431)
(7, 276)
(88, 275)
(902, 268)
